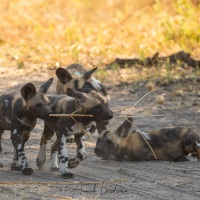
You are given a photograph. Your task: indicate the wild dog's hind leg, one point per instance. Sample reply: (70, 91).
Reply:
(47, 134)
(1, 150)
(15, 163)
(18, 144)
(80, 154)
(63, 157)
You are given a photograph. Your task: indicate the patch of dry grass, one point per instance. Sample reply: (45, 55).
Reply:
(56, 33)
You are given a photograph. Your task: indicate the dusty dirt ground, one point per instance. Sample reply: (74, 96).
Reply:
(100, 179)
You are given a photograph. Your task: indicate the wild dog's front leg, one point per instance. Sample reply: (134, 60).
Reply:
(19, 148)
(80, 155)
(47, 134)
(54, 156)
(70, 139)
(63, 158)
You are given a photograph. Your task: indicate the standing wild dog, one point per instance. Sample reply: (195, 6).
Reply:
(18, 113)
(171, 144)
(74, 76)
(91, 103)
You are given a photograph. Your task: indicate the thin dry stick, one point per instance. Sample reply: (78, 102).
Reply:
(134, 124)
(73, 114)
(132, 106)
(180, 184)
(161, 180)
(82, 130)
(70, 115)
(140, 100)
(122, 116)
(60, 183)
(144, 139)
(149, 146)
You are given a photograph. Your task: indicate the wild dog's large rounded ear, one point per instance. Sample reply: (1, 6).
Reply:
(88, 74)
(124, 129)
(44, 87)
(63, 75)
(77, 95)
(28, 91)
(88, 87)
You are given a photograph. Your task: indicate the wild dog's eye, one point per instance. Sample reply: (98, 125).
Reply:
(38, 104)
(98, 107)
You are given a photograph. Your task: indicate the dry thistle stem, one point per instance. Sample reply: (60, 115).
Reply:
(160, 99)
(150, 86)
(69, 115)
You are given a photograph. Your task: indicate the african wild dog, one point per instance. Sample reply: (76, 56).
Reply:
(18, 113)
(170, 144)
(74, 76)
(91, 103)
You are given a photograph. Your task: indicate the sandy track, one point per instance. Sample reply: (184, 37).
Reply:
(100, 179)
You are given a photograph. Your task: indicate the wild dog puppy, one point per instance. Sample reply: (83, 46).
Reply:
(18, 113)
(91, 103)
(74, 76)
(170, 144)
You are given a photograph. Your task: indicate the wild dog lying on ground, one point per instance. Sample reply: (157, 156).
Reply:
(81, 103)
(74, 76)
(170, 144)
(18, 113)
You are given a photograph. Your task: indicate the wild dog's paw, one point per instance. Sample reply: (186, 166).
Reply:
(73, 163)
(54, 169)
(15, 167)
(1, 165)
(67, 175)
(40, 163)
(182, 159)
(27, 171)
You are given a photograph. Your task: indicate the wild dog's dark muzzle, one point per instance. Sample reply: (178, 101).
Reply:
(46, 113)
(104, 120)
(49, 111)
(110, 115)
